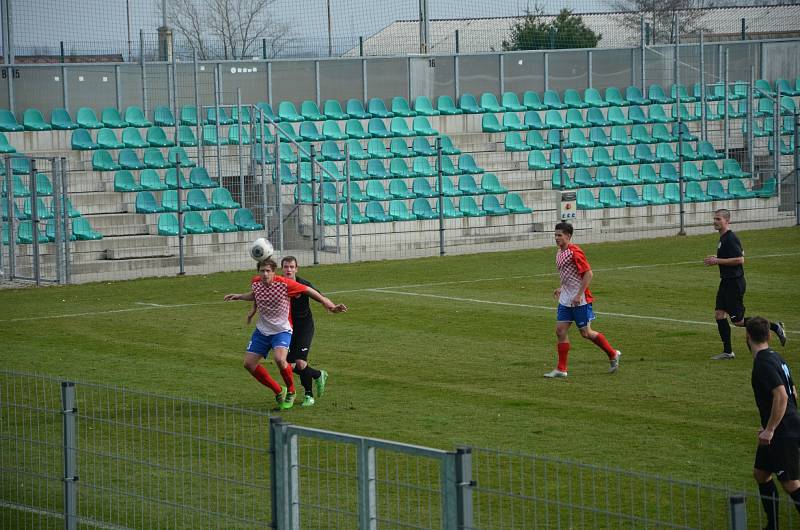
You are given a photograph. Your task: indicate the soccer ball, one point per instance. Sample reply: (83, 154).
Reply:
(261, 249)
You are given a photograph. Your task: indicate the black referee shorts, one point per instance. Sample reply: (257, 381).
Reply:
(301, 343)
(730, 297)
(781, 457)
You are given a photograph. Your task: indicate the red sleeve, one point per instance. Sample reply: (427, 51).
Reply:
(580, 259)
(293, 288)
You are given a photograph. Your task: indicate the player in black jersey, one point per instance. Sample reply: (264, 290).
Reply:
(732, 285)
(779, 436)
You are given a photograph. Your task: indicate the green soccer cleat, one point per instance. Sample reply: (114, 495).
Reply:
(280, 397)
(320, 382)
(308, 401)
(288, 402)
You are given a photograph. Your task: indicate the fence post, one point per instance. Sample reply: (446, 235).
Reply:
(367, 493)
(703, 123)
(681, 180)
(70, 455)
(448, 476)
(751, 155)
(293, 482)
(143, 72)
(348, 204)
(644, 46)
(239, 152)
(64, 167)
(726, 102)
(796, 136)
(738, 512)
(464, 483)
(37, 274)
(178, 179)
(316, 191)
(776, 135)
(12, 233)
(441, 193)
(277, 459)
(58, 218)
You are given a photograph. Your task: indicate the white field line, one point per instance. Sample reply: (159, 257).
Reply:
(391, 289)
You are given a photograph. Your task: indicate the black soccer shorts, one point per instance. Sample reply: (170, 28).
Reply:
(781, 457)
(730, 297)
(301, 343)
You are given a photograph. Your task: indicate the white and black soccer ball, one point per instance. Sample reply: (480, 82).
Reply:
(261, 249)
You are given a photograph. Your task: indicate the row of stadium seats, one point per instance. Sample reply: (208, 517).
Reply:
(20, 189)
(330, 150)
(398, 189)
(44, 209)
(81, 231)
(150, 179)
(218, 221)
(605, 176)
(196, 199)
(128, 159)
(421, 209)
(652, 195)
(621, 155)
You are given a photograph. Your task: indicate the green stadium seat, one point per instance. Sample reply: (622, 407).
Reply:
(668, 173)
(707, 151)
(198, 178)
(447, 146)
(688, 152)
(786, 148)
(786, 88)
(768, 189)
(680, 92)
(422, 127)
(150, 180)
(652, 195)
(449, 189)
(634, 96)
(492, 206)
(738, 189)
(107, 139)
(243, 218)
(19, 188)
(469, 208)
(656, 95)
(354, 129)
(6, 148)
(400, 107)
(82, 141)
(690, 172)
(763, 88)
(489, 124)
(582, 178)
(329, 193)
(50, 232)
(377, 108)
(269, 114)
(286, 153)
(715, 115)
(237, 135)
(636, 115)
(534, 121)
(355, 109)
(467, 186)
(355, 216)
(623, 156)
(376, 169)
(377, 129)
(128, 159)
(267, 136)
(173, 176)
(685, 113)
(354, 193)
(424, 107)
(310, 111)
(625, 175)
(537, 161)
(399, 127)
(377, 149)
(490, 184)
(596, 119)
(210, 136)
(221, 198)
(421, 167)
(32, 120)
(162, 116)
(513, 142)
(587, 201)
(111, 118)
(60, 120)
(532, 101)
(560, 158)
(124, 181)
(399, 190)
(330, 171)
(332, 131)
(489, 103)
(288, 112)
(25, 234)
(156, 137)
(554, 120)
(560, 180)
(197, 200)
(42, 210)
(715, 190)
(246, 118)
(102, 161)
(375, 213)
(146, 203)
(8, 123)
(510, 102)
(449, 209)
(189, 115)
(131, 138)
(333, 110)
(572, 99)
(617, 117)
(714, 92)
(731, 169)
(640, 135)
(603, 177)
(593, 98)
(356, 151)
(86, 119)
(285, 173)
(219, 221)
(608, 198)
(398, 168)
(598, 136)
(446, 106)
(580, 158)
(262, 156)
(575, 119)
(552, 100)
(135, 117)
(421, 209)
(308, 131)
(647, 174)
(422, 147)
(468, 105)
(511, 122)
(661, 134)
(630, 197)
(466, 164)
(19, 166)
(168, 225)
(695, 193)
(614, 97)
(422, 188)
(534, 140)
(645, 156)
(448, 168)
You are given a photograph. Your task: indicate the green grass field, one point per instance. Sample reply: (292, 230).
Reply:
(447, 351)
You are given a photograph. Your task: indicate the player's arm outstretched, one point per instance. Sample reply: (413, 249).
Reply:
(247, 297)
(326, 303)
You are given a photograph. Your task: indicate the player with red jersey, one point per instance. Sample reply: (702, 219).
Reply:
(272, 295)
(575, 301)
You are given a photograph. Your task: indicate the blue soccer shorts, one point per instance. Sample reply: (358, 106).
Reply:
(261, 344)
(582, 315)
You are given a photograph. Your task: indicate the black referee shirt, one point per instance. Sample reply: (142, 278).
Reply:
(301, 309)
(730, 247)
(770, 371)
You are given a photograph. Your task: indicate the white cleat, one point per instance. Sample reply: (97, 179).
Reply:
(614, 363)
(555, 373)
(723, 356)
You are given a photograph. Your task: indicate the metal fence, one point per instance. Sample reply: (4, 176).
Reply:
(96, 456)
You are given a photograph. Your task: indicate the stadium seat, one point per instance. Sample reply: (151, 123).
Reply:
(491, 184)
(329, 193)
(107, 139)
(377, 108)
(102, 161)
(532, 101)
(467, 185)
(513, 142)
(19, 187)
(731, 169)
(596, 119)
(630, 197)
(623, 156)
(661, 134)
(25, 233)
(640, 135)
(537, 161)
(683, 111)
(124, 181)
(332, 131)
(468, 105)
(768, 189)
(448, 168)
(398, 211)
(355, 216)
(263, 134)
(330, 171)
(645, 156)
(356, 173)
(715, 190)
(398, 168)
(173, 177)
(534, 140)
(489, 103)
(400, 107)
(581, 179)
(310, 111)
(587, 201)
(580, 158)
(285, 174)
(786, 148)
(333, 110)
(636, 115)
(288, 112)
(32, 120)
(156, 137)
(168, 225)
(422, 127)
(355, 109)
(572, 99)
(511, 122)
(421, 209)
(489, 124)
(552, 100)
(786, 88)
(648, 175)
(575, 119)
(466, 164)
(608, 198)
(8, 123)
(617, 117)
(189, 115)
(447, 146)
(421, 167)
(237, 136)
(219, 221)
(399, 127)
(377, 129)
(162, 116)
(376, 169)
(198, 178)
(50, 231)
(491, 206)
(146, 203)
(111, 118)
(652, 195)
(533, 121)
(60, 120)
(132, 139)
(554, 120)
(469, 208)
(424, 107)
(513, 203)
(578, 139)
(679, 92)
(510, 102)
(286, 153)
(625, 175)
(135, 117)
(375, 191)
(128, 159)
(43, 211)
(593, 99)
(598, 137)
(150, 180)
(82, 141)
(308, 131)
(422, 147)
(221, 198)
(86, 118)
(738, 189)
(668, 173)
(356, 150)
(656, 95)
(197, 200)
(375, 213)
(634, 96)
(695, 193)
(614, 97)
(210, 136)
(690, 172)
(449, 189)
(687, 151)
(422, 188)
(354, 193)
(763, 88)
(603, 177)
(706, 150)
(446, 106)
(377, 149)
(354, 129)
(243, 218)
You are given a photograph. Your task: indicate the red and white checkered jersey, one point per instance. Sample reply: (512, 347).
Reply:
(273, 303)
(571, 264)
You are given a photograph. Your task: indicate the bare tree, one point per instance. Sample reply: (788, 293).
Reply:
(658, 16)
(227, 29)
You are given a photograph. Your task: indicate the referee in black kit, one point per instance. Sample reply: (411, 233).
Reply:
(779, 436)
(732, 285)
